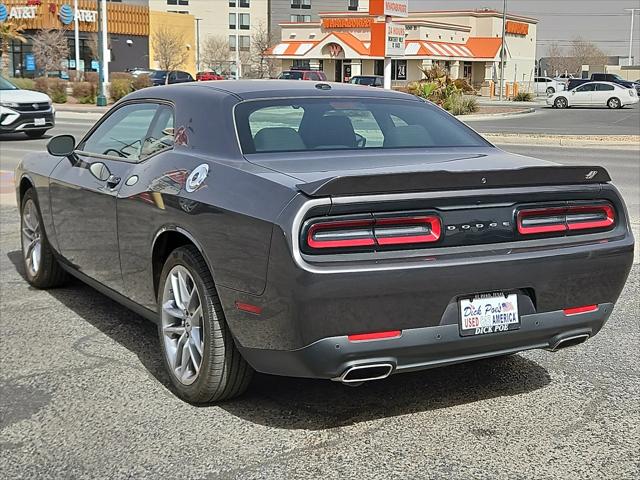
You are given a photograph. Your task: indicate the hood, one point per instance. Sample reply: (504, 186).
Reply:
(23, 96)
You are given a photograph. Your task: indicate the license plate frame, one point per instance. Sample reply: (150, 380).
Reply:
(487, 313)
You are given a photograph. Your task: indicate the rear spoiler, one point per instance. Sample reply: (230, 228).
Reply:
(447, 180)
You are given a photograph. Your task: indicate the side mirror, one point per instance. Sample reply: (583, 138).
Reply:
(61, 146)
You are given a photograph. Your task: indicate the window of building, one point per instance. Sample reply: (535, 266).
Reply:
(232, 21)
(232, 43)
(301, 18)
(232, 3)
(244, 3)
(301, 4)
(177, 2)
(301, 64)
(245, 43)
(398, 69)
(244, 21)
(353, 5)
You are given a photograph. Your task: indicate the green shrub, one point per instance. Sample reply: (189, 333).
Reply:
(141, 81)
(85, 92)
(58, 90)
(523, 97)
(458, 104)
(24, 83)
(118, 88)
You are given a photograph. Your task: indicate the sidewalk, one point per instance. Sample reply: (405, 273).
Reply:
(79, 108)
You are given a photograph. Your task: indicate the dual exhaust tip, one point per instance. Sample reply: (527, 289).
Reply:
(569, 341)
(357, 374)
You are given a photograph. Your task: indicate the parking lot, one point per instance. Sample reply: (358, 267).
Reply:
(84, 393)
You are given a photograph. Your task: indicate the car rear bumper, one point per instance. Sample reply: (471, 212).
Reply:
(428, 347)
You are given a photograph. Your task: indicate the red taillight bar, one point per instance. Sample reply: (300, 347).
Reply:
(363, 337)
(371, 232)
(563, 219)
(583, 309)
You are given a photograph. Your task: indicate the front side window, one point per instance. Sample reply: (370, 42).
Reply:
(308, 124)
(589, 87)
(132, 132)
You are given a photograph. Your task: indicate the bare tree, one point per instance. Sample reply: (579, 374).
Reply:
(584, 52)
(169, 49)
(215, 53)
(261, 41)
(9, 32)
(557, 60)
(51, 48)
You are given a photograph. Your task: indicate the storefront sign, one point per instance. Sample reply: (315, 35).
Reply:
(517, 28)
(394, 8)
(67, 16)
(29, 62)
(346, 22)
(20, 12)
(394, 40)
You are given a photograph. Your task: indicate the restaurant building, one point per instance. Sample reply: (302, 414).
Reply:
(129, 24)
(467, 43)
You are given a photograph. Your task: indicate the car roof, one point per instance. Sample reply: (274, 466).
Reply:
(602, 81)
(254, 89)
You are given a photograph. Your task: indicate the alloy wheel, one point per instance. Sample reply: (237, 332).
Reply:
(182, 325)
(614, 103)
(561, 102)
(31, 238)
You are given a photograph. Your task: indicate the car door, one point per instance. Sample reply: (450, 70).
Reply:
(583, 95)
(84, 189)
(603, 93)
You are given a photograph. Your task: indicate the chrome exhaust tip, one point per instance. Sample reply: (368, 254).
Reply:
(364, 373)
(569, 342)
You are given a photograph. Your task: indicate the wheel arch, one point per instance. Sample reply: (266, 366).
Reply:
(166, 240)
(25, 184)
(615, 97)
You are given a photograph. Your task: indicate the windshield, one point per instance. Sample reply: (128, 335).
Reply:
(291, 75)
(363, 80)
(6, 84)
(307, 124)
(158, 74)
(617, 77)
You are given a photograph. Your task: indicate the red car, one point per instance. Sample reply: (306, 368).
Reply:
(204, 76)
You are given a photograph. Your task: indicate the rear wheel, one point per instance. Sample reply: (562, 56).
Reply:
(551, 90)
(561, 102)
(41, 267)
(614, 103)
(203, 361)
(35, 133)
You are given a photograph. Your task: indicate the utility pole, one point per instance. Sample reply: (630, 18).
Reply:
(76, 38)
(103, 72)
(504, 28)
(198, 44)
(238, 63)
(632, 10)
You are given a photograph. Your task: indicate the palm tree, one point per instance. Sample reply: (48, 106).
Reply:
(9, 31)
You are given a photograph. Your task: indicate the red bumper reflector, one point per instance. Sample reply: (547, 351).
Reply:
(363, 337)
(247, 307)
(583, 309)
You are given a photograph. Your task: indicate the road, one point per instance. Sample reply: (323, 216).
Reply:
(570, 121)
(84, 395)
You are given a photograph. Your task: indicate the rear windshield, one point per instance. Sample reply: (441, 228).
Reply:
(305, 124)
(363, 80)
(291, 75)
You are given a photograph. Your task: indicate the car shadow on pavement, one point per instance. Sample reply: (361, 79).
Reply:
(294, 403)
(20, 136)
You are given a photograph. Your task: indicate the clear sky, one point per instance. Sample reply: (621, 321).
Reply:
(602, 21)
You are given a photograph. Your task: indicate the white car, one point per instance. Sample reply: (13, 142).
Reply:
(595, 94)
(547, 85)
(24, 110)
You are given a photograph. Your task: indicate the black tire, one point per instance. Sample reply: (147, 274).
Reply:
(35, 133)
(560, 102)
(49, 274)
(223, 374)
(614, 103)
(551, 90)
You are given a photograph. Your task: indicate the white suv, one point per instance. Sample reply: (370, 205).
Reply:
(24, 110)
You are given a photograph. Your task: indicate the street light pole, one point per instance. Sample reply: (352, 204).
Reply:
(198, 44)
(632, 10)
(76, 38)
(101, 99)
(504, 28)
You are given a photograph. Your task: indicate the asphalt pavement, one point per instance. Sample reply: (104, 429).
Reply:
(83, 393)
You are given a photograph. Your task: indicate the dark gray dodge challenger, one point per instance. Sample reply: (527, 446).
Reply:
(321, 230)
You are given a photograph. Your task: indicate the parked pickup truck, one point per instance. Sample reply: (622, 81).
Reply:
(603, 77)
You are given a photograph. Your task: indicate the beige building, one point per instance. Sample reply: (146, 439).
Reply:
(231, 21)
(467, 43)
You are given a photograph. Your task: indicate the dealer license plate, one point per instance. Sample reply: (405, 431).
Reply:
(489, 313)
(39, 122)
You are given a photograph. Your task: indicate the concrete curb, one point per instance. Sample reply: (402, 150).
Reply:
(632, 142)
(63, 107)
(490, 116)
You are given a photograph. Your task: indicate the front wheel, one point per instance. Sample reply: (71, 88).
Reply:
(41, 267)
(199, 352)
(561, 102)
(35, 133)
(614, 103)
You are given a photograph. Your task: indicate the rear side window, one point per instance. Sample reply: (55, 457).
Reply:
(603, 87)
(307, 124)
